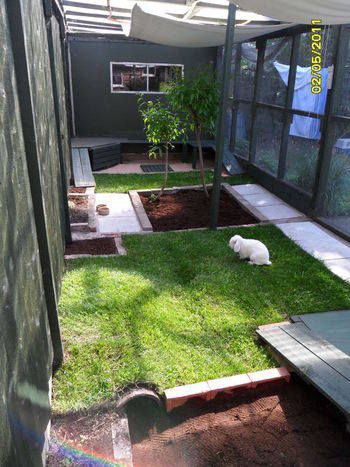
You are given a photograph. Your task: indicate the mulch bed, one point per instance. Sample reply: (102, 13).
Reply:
(80, 212)
(292, 425)
(187, 209)
(96, 246)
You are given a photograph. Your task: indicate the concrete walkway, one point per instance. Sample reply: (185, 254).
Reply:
(122, 217)
(267, 206)
(325, 246)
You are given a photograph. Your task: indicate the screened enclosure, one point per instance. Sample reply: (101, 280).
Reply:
(296, 142)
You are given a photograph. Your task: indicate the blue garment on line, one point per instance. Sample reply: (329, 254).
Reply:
(305, 127)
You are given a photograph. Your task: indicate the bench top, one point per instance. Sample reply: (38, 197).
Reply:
(82, 172)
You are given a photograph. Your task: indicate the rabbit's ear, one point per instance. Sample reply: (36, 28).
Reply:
(237, 246)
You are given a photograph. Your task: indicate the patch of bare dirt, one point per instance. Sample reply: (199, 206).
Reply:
(289, 426)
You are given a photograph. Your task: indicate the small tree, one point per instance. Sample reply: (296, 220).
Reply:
(196, 99)
(162, 127)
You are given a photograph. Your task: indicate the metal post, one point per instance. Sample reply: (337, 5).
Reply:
(327, 136)
(289, 105)
(235, 97)
(220, 133)
(258, 82)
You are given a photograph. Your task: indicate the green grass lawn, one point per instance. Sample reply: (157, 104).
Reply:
(107, 183)
(180, 308)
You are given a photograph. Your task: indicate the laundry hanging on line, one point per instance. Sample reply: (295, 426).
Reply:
(304, 99)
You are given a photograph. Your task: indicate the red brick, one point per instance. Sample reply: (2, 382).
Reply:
(175, 397)
(266, 376)
(228, 383)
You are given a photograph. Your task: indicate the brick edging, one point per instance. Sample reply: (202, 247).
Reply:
(208, 390)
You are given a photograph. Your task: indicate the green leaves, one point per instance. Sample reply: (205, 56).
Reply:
(162, 125)
(196, 99)
(191, 106)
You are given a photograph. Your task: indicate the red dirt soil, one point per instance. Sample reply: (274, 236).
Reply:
(292, 425)
(278, 425)
(96, 246)
(187, 209)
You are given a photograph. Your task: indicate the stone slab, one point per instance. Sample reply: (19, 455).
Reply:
(317, 242)
(279, 212)
(119, 204)
(118, 225)
(250, 189)
(339, 267)
(263, 199)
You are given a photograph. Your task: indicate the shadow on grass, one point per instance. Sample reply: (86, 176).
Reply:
(180, 308)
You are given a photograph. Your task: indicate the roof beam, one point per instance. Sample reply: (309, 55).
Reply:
(96, 30)
(91, 19)
(95, 12)
(76, 23)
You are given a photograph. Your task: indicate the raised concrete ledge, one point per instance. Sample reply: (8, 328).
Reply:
(141, 214)
(208, 390)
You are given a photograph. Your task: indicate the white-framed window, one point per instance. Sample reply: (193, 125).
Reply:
(150, 78)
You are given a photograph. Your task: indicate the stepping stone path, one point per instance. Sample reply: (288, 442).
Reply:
(323, 245)
(121, 218)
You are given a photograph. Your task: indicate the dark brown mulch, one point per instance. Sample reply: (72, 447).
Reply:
(292, 425)
(80, 211)
(187, 209)
(96, 246)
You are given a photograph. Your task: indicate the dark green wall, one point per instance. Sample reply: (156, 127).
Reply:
(25, 344)
(97, 111)
(30, 177)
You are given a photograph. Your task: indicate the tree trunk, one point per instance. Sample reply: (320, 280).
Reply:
(201, 162)
(165, 181)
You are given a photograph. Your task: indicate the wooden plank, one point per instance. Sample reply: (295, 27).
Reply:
(115, 147)
(334, 326)
(310, 367)
(111, 160)
(87, 177)
(107, 158)
(320, 347)
(77, 169)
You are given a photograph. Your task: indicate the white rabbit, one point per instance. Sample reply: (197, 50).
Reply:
(253, 249)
